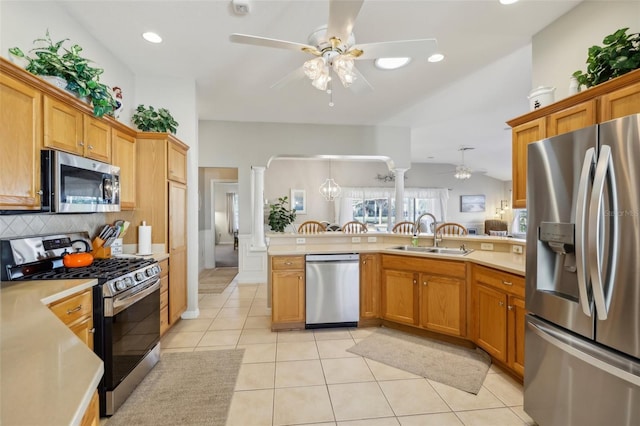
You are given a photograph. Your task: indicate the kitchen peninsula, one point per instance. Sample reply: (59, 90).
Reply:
(473, 297)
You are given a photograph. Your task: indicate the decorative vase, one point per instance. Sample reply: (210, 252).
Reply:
(541, 97)
(58, 82)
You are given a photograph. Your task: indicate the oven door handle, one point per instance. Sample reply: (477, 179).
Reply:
(120, 304)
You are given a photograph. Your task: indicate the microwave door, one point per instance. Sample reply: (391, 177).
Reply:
(556, 286)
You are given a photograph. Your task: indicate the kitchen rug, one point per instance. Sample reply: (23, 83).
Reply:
(184, 388)
(215, 281)
(456, 366)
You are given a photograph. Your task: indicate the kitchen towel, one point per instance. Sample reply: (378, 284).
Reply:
(144, 239)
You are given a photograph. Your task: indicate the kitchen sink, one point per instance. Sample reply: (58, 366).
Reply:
(434, 250)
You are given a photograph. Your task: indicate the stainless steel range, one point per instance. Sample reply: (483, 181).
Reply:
(126, 305)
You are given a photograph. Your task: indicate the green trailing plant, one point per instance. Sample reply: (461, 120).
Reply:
(150, 120)
(280, 216)
(82, 78)
(619, 55)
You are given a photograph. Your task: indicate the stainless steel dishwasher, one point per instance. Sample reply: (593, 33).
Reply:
(332, 290)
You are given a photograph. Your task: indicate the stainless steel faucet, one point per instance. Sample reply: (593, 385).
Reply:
(435, 225)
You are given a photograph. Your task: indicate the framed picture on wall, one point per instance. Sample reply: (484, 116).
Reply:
(472, 203)
(299, 201)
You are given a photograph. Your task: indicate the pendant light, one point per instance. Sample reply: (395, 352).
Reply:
(462, 172)
(330, 190)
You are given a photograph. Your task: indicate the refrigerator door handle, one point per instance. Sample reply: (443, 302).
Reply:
(569, 345)
(582, 265)
(604, 167)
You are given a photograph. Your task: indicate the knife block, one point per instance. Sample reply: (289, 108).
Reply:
(100, 252)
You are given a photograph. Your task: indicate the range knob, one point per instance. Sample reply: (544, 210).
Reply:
(150, 272)
(139, 276)
(129, 282)
(120, 285)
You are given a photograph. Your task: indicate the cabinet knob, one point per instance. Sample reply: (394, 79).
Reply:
(510, 307)
(425, 282)
(90, 146)
(288, 263)
(415, 281)
(81, 143)
(501, 303)
(364, 262)
(40, 192)
(507, 282)
(92, 330)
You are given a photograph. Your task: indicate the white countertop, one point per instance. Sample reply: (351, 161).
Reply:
(48, 375)
(506, 261)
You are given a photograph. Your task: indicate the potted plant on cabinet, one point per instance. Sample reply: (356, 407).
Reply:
(280, 216)
(81, 78)
(150, 120)
(619, 55)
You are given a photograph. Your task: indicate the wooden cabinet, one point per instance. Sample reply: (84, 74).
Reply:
(123, 155)
(92, 415)
(20, 143)
(573, 118)
(177, 250)
(177, 163)
(614, 99)
(399, 296)
(162, 203)
(369, 286)
(522, 136)
(429, 293)
(76, 311)
(288, 292)
(442, 304)
(68, 129)
(620, 103)
(164, 296)
(497, 300)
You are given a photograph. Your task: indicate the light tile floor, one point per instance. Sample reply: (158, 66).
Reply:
(308, 377)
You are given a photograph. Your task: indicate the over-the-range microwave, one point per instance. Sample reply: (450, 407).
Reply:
(74, 184)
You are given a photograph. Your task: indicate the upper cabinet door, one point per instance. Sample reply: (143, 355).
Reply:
(20, 143)
(96, 139)
(522, 136)
(123, 155)
(620, 103)
(177, 163)
(574, 118)
(62, 127)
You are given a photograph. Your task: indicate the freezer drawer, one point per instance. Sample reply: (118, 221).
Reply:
(571, 381)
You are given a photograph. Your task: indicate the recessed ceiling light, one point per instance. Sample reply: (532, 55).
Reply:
(391, 63)
(508, 1)
(436, 57)
(152, 37)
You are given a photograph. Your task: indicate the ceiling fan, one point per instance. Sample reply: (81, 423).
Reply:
(335, 50)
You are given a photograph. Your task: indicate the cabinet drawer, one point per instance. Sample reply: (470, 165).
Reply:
(279, 263)
(73, 308)
(164, 267)
(504, 281)
(164, 298)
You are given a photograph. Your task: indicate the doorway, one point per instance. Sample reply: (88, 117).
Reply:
(218, 217)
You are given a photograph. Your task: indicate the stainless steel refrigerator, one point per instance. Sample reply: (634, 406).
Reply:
(582, 339)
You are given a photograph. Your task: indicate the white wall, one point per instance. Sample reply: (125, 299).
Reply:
(244, 144)
(561, 48)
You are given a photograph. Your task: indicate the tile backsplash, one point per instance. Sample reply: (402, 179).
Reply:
(36, 224)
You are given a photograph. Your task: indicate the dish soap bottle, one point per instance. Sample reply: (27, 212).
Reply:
(414, 240)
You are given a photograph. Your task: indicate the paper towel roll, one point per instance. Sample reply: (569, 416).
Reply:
(144, 239)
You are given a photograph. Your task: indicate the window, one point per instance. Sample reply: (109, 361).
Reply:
(376, 206)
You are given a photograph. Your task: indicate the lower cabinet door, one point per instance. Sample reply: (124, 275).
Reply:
(491, 321)
(400, 296)
(288, 304)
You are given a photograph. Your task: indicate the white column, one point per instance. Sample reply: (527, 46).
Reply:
(257, 240)
(399, 174)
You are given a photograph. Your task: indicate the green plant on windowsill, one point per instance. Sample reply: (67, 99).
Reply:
(52, 59)
(619, 55)
(280, 216)
(150, 120)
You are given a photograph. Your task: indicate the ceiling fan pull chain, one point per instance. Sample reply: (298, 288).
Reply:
(330, 92)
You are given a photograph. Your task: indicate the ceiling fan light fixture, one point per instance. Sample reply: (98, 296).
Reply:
(343, 66)
(313, 68)
(391, 63)
(436, 57)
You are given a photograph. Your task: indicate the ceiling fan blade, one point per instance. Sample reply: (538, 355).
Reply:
(421, 48)
(272, 42)
(295, 75)
(360, 84)
(342, 17)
